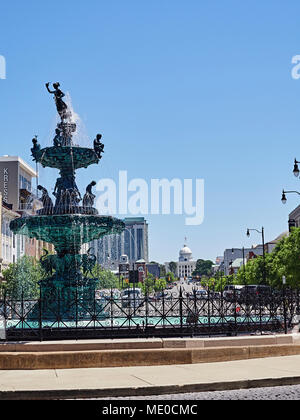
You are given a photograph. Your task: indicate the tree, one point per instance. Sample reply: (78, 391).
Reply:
(173, 267)
(170, 278)
(283, 261)
(22, 278)
(149, 284)
(106, 279)
(160, 284)
(162, 270)
(203, 268)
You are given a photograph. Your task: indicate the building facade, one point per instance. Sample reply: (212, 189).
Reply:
(231, 254)
(133, 242)
(186, 265)
(294, 218)
(16, 179)
(12, 247)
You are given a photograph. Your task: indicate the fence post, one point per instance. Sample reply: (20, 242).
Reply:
(76, 311)
(40, 316)
(208, 310)
(4, 316)
(195, 312)
(22, 310)
(147, 309)
(284, 310)
(111, 309)
(180, 310)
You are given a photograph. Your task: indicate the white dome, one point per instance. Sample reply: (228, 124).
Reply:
(185, 254)
(185, 250)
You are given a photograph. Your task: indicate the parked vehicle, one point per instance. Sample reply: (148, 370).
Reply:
(131, 298)
(161, 295)
(214, 295)
(255, 294)
(232, 292)
(201, 294)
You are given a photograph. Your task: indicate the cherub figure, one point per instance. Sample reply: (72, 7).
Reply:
(98, 146)
(57, 141)
(89, 197)
(36, 148)
(46, 200)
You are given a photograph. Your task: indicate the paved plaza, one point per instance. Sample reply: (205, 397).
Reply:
(150, 380)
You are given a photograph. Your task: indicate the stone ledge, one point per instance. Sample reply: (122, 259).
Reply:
(149, 343)
(138, 357)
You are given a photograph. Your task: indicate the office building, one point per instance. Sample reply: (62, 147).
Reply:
(16, 178)
(133, 242)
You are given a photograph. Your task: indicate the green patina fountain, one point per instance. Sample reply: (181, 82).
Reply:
(67, 223)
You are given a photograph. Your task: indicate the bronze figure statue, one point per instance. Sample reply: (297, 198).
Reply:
(89, 197)
(62, 107)
(58, 140)
(36, 148)
(46, 201)
(98, 146)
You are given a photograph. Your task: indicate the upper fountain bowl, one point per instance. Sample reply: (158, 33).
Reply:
(67, 158)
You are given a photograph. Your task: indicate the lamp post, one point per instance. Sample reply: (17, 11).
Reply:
(283, 197)
(262, 232)
(296, 170)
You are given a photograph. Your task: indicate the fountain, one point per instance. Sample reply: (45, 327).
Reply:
(67, 223)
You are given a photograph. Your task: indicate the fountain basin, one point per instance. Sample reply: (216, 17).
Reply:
(66, 157)
(67, 232)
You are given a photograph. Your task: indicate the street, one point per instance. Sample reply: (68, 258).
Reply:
(273, 393)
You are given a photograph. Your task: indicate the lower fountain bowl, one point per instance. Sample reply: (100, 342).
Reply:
(67, 232)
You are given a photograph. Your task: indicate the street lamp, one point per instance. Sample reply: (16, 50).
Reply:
(283, 197)
(296, 170)
(262, 232)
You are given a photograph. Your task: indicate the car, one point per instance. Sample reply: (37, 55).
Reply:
(214, 295)
(255, 294)
(163, 295)
(200, 294)
(131, 297)
(231, 292)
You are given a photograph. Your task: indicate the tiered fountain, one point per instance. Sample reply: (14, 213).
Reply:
(67, 223)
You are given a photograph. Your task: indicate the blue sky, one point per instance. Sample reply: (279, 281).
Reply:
(179, 89)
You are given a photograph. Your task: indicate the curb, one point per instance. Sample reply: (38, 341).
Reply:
(146, 391)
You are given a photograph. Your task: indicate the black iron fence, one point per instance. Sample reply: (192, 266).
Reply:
(199, 313)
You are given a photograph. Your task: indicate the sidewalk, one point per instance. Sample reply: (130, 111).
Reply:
(150, 380)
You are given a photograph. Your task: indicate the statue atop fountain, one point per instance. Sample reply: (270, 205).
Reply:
(61, 106)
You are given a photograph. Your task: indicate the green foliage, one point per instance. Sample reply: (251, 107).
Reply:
(22, 278)
(162, 270)
(160, 284)
(203, 268)
(283, 261)
(173, 267)
(106, 279)
(148, 285)
(169, 277)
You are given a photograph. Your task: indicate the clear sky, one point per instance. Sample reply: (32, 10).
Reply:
(179, 89)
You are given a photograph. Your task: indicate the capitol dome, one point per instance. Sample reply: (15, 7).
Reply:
(185, 254)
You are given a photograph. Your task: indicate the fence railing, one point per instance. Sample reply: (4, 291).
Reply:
(198, 313)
